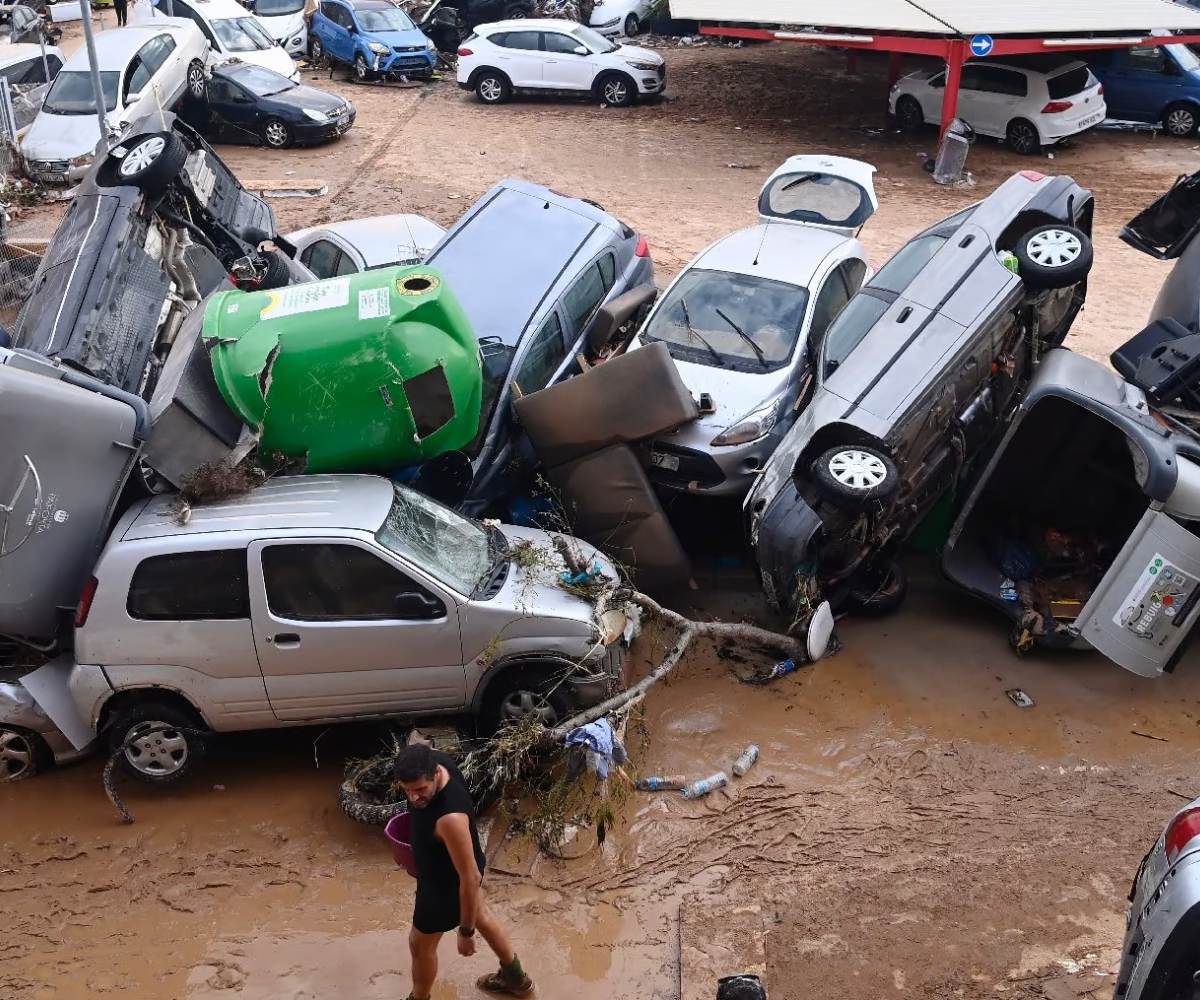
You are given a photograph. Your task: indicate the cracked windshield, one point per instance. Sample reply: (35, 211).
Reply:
(450, 546)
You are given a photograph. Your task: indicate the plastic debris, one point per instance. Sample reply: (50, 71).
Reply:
(786, 667)
(1009, 260)
(746, 760)
(1008, 590)
(669, 783)
(1019, 698)
(698, 789)
(583, 576)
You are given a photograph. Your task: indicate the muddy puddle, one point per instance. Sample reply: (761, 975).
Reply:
(906, 828)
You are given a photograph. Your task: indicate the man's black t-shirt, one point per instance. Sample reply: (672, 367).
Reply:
(437, 877)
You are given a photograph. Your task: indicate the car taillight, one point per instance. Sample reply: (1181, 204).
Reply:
(1054, 107)
(1100, 91)
(85, 602)
(1183, 829)
(1032, 175)
(464, 51)
(643, 248)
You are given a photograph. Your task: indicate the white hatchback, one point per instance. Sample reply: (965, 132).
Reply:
(1028, 101)
(235, 33)
(553, 55)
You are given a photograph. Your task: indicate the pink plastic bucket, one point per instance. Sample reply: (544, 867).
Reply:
(398, 831)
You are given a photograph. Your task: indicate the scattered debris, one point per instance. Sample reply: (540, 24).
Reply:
(1019, 698)
(701, 787)
(746, 760)
(744, 166)
(1149, 736)
(669, 783)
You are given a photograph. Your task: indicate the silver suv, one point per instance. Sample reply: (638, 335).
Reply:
(317, 599)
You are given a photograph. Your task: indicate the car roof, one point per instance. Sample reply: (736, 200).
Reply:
(1048, 63)
(784, 251)
(538, 23)
(377, 238)
(11, 53)
(115, 48)
(309, 503)
(219, 10)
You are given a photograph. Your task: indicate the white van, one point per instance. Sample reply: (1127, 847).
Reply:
(284, 19)
(234, 33)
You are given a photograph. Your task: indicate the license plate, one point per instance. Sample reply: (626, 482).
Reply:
(661, 460)
(1091, 120)
(343, 121)
(52, 178)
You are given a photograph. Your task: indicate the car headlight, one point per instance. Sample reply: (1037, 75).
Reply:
(610, 23)
(756, 424)
(378, 48)
(647, 67)
(82, 161)
(429, 46)
(317, 116)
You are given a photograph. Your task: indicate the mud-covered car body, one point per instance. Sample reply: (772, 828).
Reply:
(915, 375)
(128, 262)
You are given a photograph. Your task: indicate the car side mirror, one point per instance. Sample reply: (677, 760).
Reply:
(353, 29)
(413, 605)
(135, 96)
(613, 315)
(938, 84)
(579, 50)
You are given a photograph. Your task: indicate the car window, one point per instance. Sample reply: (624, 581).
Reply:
(853, 323)
(546, 353)
(824, 199)
(972, 78)
(190, 586)
(330, 582)
(321, 258)
(521, 40)
(393, 19)
(1069, 84)
(854, 271)
(330, 10)
(831, 300)
(154, 53)
(25, 71)
(72, 93)
(608, 271)
(997, 80)
(346, 265)
(583, 298)
(555, 42)
(897, 274)
(728, 320)
(223, 91)
(260, 80)
(138, 78)
(1147, 60)
(242, 34)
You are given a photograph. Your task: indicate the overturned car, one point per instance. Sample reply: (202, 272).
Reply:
(916, 375)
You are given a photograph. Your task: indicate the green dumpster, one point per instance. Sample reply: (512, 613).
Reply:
(364, 373)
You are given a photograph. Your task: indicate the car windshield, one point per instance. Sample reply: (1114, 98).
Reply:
(384, 20)
(496, 359)
(72, 93)
(277, 8)
(242, 34)
(260, 81)
(1185, 57)
(729, 320)
(594, 40)
(447, 545)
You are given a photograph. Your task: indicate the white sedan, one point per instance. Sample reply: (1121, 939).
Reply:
(365, 244)
(620, 17)
(142, 68)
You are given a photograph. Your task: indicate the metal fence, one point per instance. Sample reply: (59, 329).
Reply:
(18, 264)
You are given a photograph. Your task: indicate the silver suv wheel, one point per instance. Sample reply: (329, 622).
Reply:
(1054, 248)
(156, 750)
(18, 756)
(142, 155)
(524, 704)
(858, 470)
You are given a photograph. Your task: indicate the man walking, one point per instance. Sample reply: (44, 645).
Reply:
(120, 6)
(450, 865)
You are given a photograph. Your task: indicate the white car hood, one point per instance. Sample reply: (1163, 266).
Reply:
(734, 394)
(638, 53)
(275, 58)
(61, 137)
(284, 26)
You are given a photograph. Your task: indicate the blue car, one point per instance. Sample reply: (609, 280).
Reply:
(374, 37)
(1158, 83)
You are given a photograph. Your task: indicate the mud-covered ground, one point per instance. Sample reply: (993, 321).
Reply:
(908, 830)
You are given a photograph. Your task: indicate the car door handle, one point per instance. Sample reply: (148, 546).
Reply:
(285, 640)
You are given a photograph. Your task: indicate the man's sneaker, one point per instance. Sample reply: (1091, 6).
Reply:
(497, 983)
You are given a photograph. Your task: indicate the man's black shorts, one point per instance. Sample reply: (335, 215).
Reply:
(436, 912)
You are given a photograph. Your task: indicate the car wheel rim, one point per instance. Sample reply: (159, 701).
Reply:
(16, 756)
(615, 91)
(1181, 122)
(276, 134)
(318, 52)
(1023, 138)
(910, 113)
(156, 750)
(360, 67)
(142, 155)
(525, 704)
(631, 26)
(1054, 248)
(196, 79)
(859, 470)
(490, 89)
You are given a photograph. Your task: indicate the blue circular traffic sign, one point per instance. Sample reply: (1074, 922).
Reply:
(981, 45)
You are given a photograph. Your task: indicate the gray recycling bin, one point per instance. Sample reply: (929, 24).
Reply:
(952, 154)
(69, 446)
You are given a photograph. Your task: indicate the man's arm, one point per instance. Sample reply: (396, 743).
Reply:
(454, 830)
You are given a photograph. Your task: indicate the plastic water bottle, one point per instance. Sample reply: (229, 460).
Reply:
(669, 783)
(698, 789)
(786, 667)
(746, 760)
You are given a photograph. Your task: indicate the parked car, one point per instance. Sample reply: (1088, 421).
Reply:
(1160, 957)
(28, 77)
(353, 598)
(556, 56)
(142, 69)
(375, 37)
(365, 244)
(448, 22)
(910, 382)
(286, 23)
(532, 269)
(249, 104)
(156, 226)
(1028, 101)
(234, 32)
(620, 17)
(29, 741)
(738, 320)
(1157, 83)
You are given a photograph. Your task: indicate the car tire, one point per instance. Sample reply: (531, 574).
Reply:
(22, 754)
(158, 743)
(197, 85)
(910, 117)
(633, 26)
(877, 590)
(278, 274)
(316, 52)
(151, 161)
(1181, 120)
(1053, 256)
(492, 87)
(616, 90)
(1022, 137)
(360, 807)
(276, 133)
(523, 691)
(854, 476)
